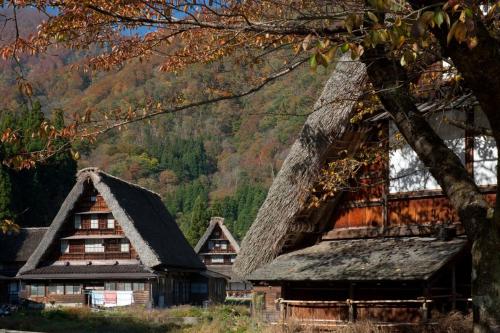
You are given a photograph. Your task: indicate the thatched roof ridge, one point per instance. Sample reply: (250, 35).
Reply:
(214, 221)
(143, 217)
(277, 219)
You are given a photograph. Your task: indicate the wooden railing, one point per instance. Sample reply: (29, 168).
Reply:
(96, 256)
(348, 307)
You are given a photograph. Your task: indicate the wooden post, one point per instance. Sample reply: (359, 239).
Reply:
(425, 312)
(453, 288)
(283, 310)
(352, 311)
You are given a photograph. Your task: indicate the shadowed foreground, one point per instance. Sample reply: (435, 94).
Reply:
(220, 319)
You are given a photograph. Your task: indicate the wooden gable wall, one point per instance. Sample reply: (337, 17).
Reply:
(91, 203)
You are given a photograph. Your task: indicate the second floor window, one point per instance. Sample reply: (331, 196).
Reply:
(78, 222)
(64, 246)
(218, 259)
(111, 222)
(125, 246)
(94, 246)
(223, 245)
(94, 222)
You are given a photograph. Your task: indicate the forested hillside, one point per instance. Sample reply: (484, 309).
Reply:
(215, 160)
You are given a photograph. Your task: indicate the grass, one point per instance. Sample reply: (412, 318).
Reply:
(218, 319)
(131, 320)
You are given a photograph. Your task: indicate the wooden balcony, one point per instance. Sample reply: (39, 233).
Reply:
(97, 256)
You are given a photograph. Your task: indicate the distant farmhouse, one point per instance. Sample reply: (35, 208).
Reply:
(389, 250)
(114, 243)
(217, 248)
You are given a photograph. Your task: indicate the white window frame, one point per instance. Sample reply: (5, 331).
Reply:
(124, 246)
(233, 259)
(223, 246)
(64, 246)
(111, 222)
(78, 221)
(94, 221)
(217, 259)
(94, 246)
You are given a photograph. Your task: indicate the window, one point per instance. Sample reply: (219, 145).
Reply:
(56, 289)
(64, 246)
(78, 222)
(37, 290)
(138, 286)
(111, 222)
(110, 286)
(93, 198)
(233, 259)
(218, 259)
(217, 244)
(125, 246)
(210, 245)
(223, 245)
(127, 286)
(94, 245)
(73, 289)
(94, 221)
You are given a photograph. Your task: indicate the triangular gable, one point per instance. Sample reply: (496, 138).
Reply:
(217, 221)
(157, 239)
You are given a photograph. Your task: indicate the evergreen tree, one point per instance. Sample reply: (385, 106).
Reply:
(5, 194)
(198, 221)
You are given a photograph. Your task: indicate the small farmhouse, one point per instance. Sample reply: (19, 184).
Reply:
(389, 250)
(218, 249)
(15, 249)
(114, 243)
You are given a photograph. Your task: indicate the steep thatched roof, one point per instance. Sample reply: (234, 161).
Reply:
(408, 258)
(17, 247)
(143, 217)
(217, 221)
(278, 223)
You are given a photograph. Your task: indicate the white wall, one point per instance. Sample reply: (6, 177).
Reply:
(407, 173)
(485, 154)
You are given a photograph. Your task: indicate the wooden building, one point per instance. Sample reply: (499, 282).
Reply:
(114, 243)
(390, 250)
(218, 249)
(15, 249)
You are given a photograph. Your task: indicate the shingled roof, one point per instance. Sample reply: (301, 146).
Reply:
(89, 271)
(142, 215)
(408, 258)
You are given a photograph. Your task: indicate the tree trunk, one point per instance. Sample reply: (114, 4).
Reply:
(479, 66)
(391, 82)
